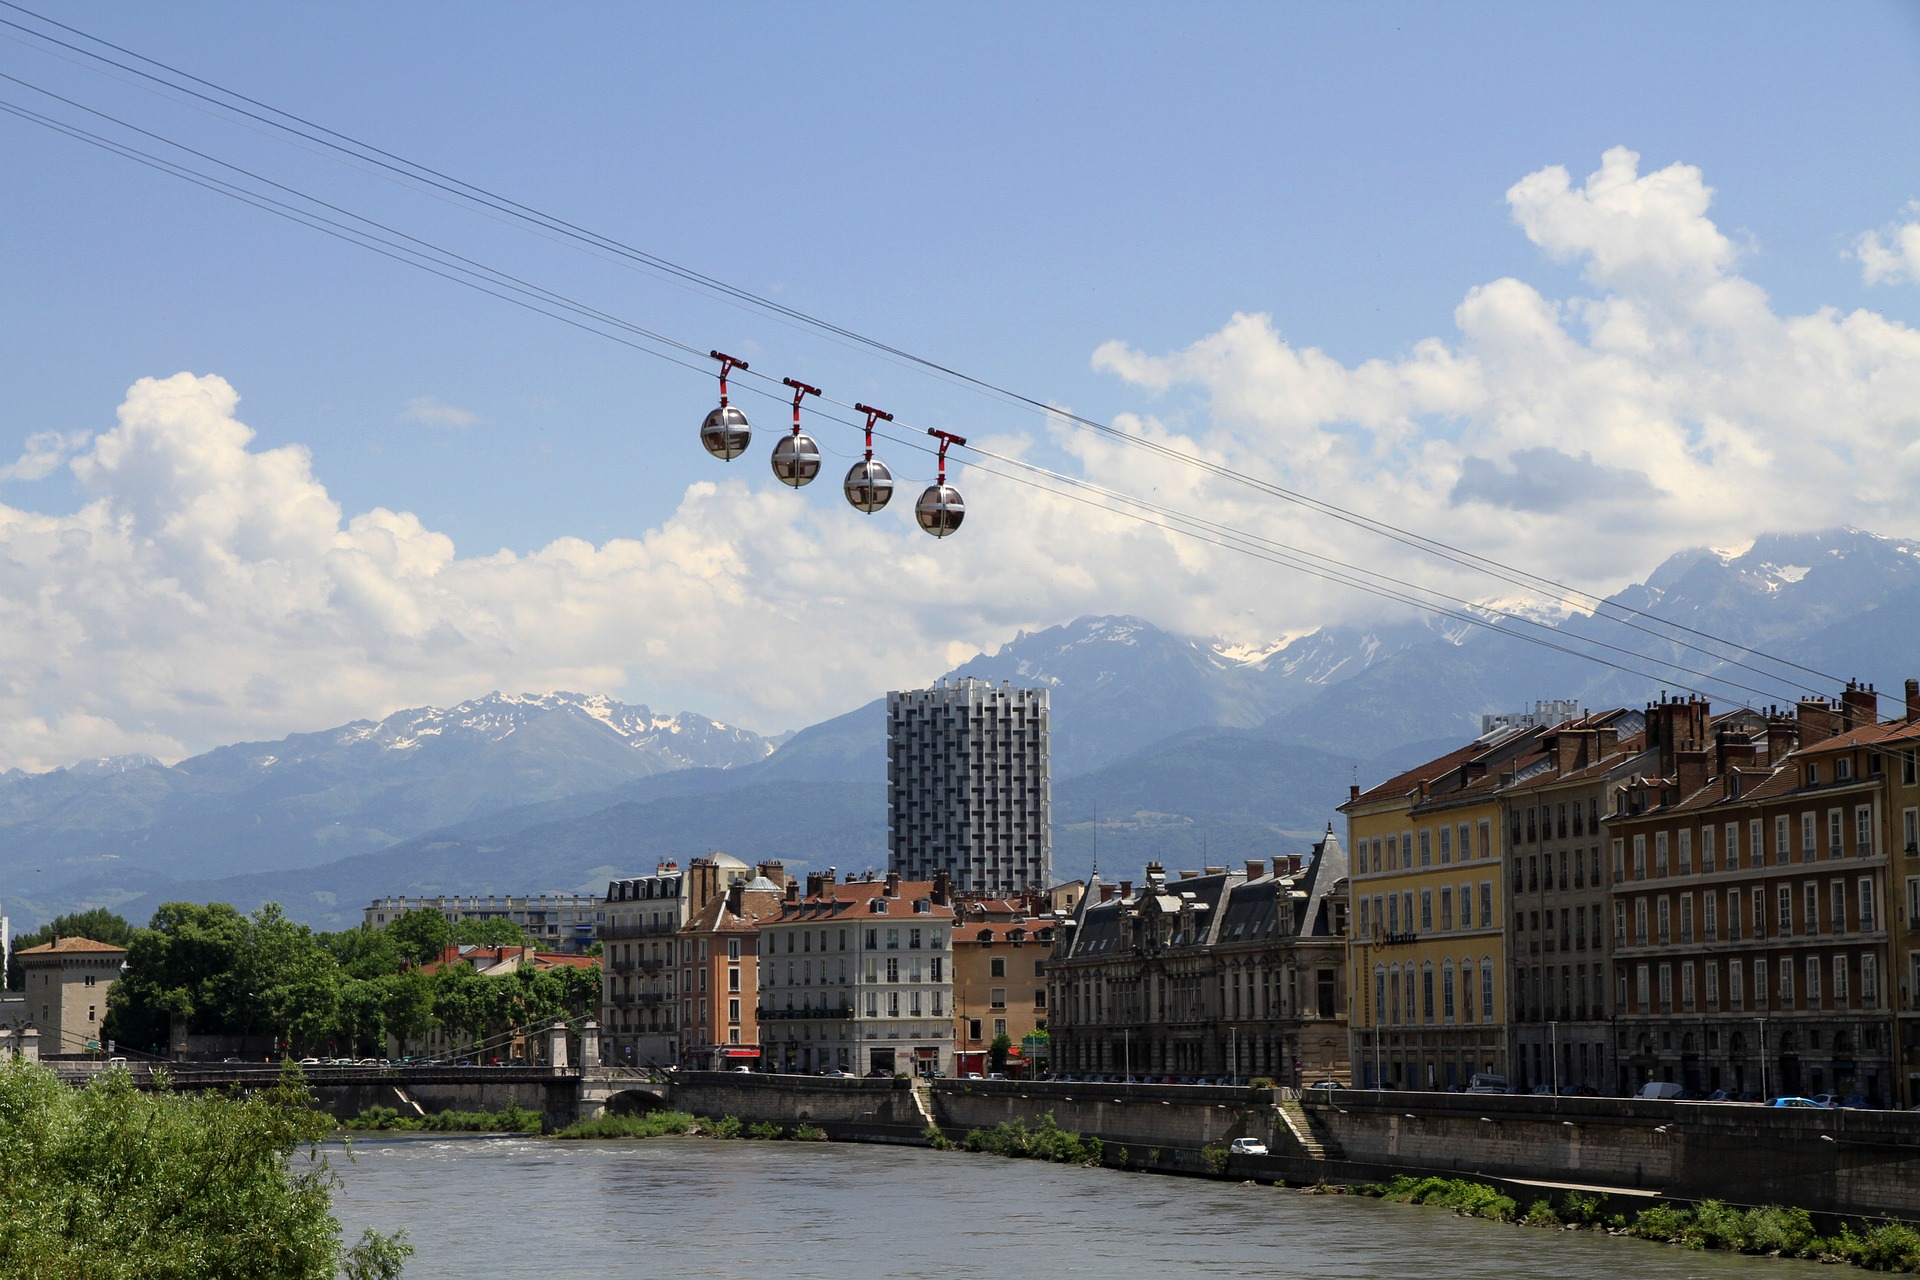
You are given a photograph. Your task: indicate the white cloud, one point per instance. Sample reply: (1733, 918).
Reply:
(44, 453)
(209, 591)
(432, 413)
(1890, 255)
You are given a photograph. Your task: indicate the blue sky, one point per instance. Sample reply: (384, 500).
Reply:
(1009, 189)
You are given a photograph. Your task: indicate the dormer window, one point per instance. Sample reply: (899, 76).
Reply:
(1843, 768)
(1813, 774)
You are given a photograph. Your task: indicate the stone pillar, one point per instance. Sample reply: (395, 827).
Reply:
(176, 1037)
(29, 1044)
(557, 1044)
(589, 1043)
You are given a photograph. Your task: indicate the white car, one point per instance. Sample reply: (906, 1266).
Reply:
(1247, 1147)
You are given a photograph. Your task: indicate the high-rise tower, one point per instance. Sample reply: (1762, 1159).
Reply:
(968, 790)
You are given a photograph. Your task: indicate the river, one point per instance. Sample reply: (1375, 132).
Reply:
(598, 1210)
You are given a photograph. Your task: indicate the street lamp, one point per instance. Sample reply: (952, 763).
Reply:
(1553, 1051)
(1763, 1058)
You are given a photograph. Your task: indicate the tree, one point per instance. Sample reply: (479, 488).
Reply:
(365, 952)
(99, 924)
(187, 964)
(491, 933)
(997, 1052)
(420, 936)
(110, 1183)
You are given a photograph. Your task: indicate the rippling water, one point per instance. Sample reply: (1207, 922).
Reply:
(693, 1207)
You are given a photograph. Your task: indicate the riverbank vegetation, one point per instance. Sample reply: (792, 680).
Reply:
(1769, 1230)
(684, 1124)
(514, 1119)
(1045, 1140)
(112, 1183)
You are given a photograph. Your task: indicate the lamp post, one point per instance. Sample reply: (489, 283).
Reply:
(1126, 1051)
(1553, 1051)
(1233, 1055)
(1763, 1058)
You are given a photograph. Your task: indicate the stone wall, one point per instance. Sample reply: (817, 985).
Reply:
(879, 1110)
(1145, 1116)
(1860, 1162)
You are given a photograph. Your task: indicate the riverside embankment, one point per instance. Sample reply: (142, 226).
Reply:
(1859, 1163)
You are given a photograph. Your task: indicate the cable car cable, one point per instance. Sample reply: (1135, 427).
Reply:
(1597, 606)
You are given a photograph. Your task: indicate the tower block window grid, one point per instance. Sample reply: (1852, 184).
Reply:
(968, 786)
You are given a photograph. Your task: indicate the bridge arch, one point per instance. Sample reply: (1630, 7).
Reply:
(633, 1102)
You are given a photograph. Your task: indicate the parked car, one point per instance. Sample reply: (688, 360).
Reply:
(1828, 1100)
(1483, 1082)
(1247, 1147)
(1795, 1102)
(1326, 1084)
(1661, 1090)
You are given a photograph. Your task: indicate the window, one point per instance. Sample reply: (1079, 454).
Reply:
(1710, 924)
(1733, 846)
(1486, 989)
(1837, 907)
(1426, 848)
(1759, 984)
(893, 939)
(893, 1004)
(1446, 991)
(1486, 838)
(1666, 988)
(1706, 850)
(1426, 992)
(1660, 853)
(1446, 910)
(913, 940)
(1840, 986)
(1446, 845)
(1686, 853)
(1618, 873)
(1785, 898)
(1426, 911)
(1810, 919)
(1686, 917)
(998, 998)
(1666, 920)
(1466, 906)
(893, 968)
(1619, 924)
(1786, 982)
(1486, 904)
(997, 967)
(1780, 839)
(1686, 986)
(1813, 982)
(1910, 829)
(733, 1011)
(1639, 857)
(1869, 981)
(1843, 769)
(1641, 936)
(733, 948)
(1393, 853)
(1393, 913)
(873, 939)
(1863, 831)
(1806, 837)
(733, 979)
(1039, 998)
(938, 967)
(1834, 848)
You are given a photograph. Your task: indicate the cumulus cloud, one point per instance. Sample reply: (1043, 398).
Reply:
(431, 412)
(209, 591)
(44, 453)
(1891, 255)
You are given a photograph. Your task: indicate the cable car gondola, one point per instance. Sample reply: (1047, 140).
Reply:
(869, 485)
(940, 509)
(796, 458)
(725, 433)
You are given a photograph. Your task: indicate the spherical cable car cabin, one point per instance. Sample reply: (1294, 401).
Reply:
(796, 458)
(941, 509)
(725, 433)
(869, 485)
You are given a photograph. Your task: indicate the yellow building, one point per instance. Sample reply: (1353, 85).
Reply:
(1427, 955)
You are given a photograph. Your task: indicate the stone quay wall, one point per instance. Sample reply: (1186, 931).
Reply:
(868, 1110)
(1169, 1117)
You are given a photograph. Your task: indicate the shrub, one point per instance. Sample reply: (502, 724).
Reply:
(1216, 1158)
(724, 1127)
(1541, 1214)
(808, 1133)
(1045, 1141)
(765, 1129)
(936, 1139)
(1260, 1082)
(651, 1124)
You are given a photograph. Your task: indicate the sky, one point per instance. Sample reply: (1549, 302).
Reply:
(1571, 287)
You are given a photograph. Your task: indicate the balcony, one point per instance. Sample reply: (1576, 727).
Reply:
(836, 1013)
(621, 932)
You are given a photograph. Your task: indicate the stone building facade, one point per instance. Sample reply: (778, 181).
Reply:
(67, 981)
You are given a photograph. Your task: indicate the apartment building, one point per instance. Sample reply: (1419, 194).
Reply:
(1213, 973)
(640, 959)
(1000, 948)
(968, 788)
(553, 921)
(1751, 944)
(720, 974)
(1429, 951)
(1559, 937)
(857, 976)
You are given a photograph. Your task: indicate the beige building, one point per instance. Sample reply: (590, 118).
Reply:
(66, 993)
(1000, 948)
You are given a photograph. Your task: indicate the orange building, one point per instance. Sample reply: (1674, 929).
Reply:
(1000, 949)
(720, 975)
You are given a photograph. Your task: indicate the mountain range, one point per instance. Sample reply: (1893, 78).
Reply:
(1163, 745)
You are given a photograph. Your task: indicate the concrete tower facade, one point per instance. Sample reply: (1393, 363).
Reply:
(968, 788)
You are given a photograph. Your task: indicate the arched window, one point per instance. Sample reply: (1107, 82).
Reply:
(1426, 992)
(1486, 989)
(1447, 1008)
(1466, 989)
(1394, 986)
(1379, 994)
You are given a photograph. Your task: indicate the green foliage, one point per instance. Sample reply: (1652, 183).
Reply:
(513, 1119)
(1580, 1211)
(648, 1124)
(99, 924)
(998, 1051)
(765, 1129)
(936, 1139)
(110, 1183)
(1260, 1082)
(1541, 1214)
(1471, 1199)
(1044, 1141)
(1884, 1246)
(808, 1133)
(490, 933)
(724, 1127)
(1216, 1159)
(420, 936)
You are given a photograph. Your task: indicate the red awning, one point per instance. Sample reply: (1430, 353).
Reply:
(741, 1053)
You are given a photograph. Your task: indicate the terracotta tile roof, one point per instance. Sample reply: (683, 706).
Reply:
(71, 946)
(1409, 782)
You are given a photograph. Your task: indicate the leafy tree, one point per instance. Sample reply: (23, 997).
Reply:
(420, 936)
(997, 1052)
(99, 924)
(109, 1183)
(491, 933)
(409, 1006)
(365, 952)
(186, 964)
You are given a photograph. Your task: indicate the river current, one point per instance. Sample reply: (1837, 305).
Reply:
(692, 1207)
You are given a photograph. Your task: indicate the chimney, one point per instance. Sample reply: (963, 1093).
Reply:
(1690, 768)
(1574, 749)
(1216, 871)
(817, 883)
(1189, 875)
(1605, 739)
(1783, 735)
(1156, 875)
(793, 891)
(893, 883)
(942, 888)
(1859, 705)
(1817, 719)
(736, 897)
(1256, 867)
(1126, 888)
(1353, 788)
(1106, 893)
(1913, 699)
